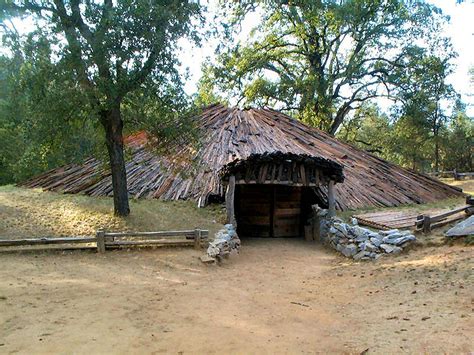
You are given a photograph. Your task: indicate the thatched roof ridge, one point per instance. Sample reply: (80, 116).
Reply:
(230, 135)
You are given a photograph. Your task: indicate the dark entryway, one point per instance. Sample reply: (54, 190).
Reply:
(272, 210)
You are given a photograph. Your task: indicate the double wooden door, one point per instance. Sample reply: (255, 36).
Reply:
(268, 210)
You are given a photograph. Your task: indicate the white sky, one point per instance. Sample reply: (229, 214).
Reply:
(460, 29)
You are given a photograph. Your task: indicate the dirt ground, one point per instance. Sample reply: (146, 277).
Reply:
(277, 296)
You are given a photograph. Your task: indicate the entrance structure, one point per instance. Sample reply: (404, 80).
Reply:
(270, 195)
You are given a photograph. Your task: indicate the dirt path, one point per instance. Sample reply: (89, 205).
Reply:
(278, 296)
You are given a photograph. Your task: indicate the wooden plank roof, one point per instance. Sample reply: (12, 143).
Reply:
(232, 134)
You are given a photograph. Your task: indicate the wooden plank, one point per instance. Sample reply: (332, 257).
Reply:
(442, 216)
(287, 211)
(149, 242)
(155, 234)
(46, 241)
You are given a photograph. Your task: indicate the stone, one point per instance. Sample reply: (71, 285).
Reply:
(370, 247)
(388, 232)
(403, 239)
(463, 228)
(341, 228)
(349, 250)
(360, 255)
(390, 248)
(206, 259)
(376, 241)
(391, 237)
(354, 221)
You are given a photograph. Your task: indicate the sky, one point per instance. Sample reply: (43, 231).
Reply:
(460, 29)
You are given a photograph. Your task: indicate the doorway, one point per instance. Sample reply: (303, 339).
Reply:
(272, 211)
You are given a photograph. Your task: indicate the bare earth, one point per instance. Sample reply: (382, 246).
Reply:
(278, 296)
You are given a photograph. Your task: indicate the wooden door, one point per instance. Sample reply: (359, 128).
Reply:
(268, 210)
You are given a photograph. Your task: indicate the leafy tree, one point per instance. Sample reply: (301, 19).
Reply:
(206, 88)
(458, 144)
(427, 96)
(110, 51)
(368, 129)
(34, 98)
(324, 59)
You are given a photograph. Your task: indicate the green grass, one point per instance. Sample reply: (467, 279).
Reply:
(33, 212)
(467, 185)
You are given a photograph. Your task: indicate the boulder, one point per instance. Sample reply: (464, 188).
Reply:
(360, 255)
(390, 248)
(465, 227)
(403, 239)
(388, 232)
(349, 250)
(376, 241)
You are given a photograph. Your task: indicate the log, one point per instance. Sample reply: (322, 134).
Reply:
(161, 234)
(46, 241)
(166, 242)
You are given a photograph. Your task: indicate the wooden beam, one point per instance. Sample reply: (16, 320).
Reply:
(331, 199)
(229, 201)
(46, 241)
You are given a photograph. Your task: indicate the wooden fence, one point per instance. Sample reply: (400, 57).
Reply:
(109, 240)
(454, 174)
(427, 223)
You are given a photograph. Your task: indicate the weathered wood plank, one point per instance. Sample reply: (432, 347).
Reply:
(155, 234)
(46, 241)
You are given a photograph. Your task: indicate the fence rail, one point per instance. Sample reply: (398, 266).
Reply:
(452, 173)
(107, 240)
(427, 223)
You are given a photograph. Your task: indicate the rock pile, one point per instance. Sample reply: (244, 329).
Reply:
(225, 243)
(365, 244)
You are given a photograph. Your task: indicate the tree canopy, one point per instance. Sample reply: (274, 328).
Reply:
(324, 59)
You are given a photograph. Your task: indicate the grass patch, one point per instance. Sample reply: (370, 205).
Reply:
(33, 212)
(467, 186)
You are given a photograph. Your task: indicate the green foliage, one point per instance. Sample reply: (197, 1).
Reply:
(206, 89)
(458, 143)
(408, 140)
(324, 59)
(88, 68)
(42, 123)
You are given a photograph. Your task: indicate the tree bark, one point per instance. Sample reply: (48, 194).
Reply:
(112, 121)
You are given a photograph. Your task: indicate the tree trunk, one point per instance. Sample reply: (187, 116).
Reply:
(113, 125)
(436, 154)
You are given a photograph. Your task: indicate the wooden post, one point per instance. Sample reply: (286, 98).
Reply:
(331, 199)
(197, 239)
(419, 222)
(229, 201)
(100, 236)
(470, 200)
(427, 224)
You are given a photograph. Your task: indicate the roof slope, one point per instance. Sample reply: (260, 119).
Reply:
(231, 134)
